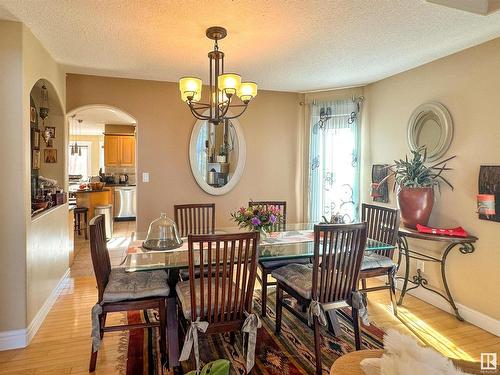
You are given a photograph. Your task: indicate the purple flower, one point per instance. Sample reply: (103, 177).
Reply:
(272, 219)
(255, 221)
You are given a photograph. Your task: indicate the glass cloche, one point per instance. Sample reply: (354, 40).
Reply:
(162, 235)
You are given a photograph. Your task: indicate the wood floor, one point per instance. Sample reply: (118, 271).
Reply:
(62, 345)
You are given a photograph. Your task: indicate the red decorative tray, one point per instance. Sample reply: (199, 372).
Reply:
(452, 232)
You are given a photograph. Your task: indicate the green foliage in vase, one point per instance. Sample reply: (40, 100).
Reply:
(414, 173)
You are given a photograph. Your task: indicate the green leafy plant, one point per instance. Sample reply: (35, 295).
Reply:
(414, 173)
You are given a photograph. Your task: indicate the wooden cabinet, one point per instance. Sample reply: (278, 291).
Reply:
(119, 150)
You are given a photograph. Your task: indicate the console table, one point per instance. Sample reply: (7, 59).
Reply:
(465, 245)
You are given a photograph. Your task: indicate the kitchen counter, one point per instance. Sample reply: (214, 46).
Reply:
(119, 185)
(90, 191)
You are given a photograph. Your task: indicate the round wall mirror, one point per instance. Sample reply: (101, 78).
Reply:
(430, 125)
(217, 155)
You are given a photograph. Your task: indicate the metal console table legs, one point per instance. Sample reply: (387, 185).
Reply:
(464, 244)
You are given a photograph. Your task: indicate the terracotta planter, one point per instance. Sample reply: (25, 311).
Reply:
(415, 205)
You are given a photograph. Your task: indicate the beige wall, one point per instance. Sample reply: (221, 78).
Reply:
(94, 149)
(12, 203)
(47, 237)
(23, 61)
(468, 84)
(271, 129)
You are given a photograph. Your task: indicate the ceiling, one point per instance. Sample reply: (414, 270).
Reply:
(289, 45)
(94, 119)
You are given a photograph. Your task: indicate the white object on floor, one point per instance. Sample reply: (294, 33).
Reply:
(403, 355)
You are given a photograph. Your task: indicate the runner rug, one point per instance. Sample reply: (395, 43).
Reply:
(290, 353)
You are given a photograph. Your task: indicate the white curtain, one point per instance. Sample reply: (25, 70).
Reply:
(334, 160)
(79, 164)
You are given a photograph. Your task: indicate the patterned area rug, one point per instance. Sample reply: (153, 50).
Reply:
(289, 354)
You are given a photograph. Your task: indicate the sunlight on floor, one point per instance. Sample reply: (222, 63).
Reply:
(427, 334)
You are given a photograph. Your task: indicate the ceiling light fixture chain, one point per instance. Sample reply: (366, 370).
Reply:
(224, 87)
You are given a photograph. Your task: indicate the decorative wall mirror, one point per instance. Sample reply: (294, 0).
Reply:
(217, 154)
(430, 125)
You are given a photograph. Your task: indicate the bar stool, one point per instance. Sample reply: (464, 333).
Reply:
(78, 212)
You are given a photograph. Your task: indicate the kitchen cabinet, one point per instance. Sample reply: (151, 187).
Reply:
(119, 150)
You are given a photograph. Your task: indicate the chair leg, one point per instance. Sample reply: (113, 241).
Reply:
(163, 332)
(356, 326)
(102, 321)
(392, 292)
(264, 294)
(93, 360)
(279, 308)
(86, 225)
(232, 338)
(317, 347)
(363, 283)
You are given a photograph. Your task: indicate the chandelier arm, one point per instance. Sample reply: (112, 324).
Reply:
(200, 105)
(197, 115)
(239, 114)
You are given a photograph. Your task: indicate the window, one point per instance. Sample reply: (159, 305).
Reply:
(80, 164)
(334, 161)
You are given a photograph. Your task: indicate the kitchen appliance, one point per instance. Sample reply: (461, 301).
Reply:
(123, 178)
(125, 208)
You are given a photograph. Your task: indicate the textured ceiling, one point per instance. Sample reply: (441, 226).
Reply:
(282, 45)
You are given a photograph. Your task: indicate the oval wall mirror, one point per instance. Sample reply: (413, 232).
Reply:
(217, 154)
(430, 125)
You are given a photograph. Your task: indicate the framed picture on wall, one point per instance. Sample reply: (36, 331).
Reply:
(50, 155)
(35, 139)
(35, 159)
(50, 143)
(51, 130)
(32, 114)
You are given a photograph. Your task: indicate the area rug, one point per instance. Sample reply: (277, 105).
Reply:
(290, 353)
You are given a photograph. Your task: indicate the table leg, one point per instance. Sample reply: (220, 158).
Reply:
(173, 323)
(334, 325)
(403, 248)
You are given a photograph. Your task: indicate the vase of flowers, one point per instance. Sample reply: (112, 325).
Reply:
(259, 218)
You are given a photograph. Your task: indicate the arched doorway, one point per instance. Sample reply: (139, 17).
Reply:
(101, 146)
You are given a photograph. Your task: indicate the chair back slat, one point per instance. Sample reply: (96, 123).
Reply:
(99, 253)
(225, 294)
(195, 218)
(338, 252)
(281, 205)
(382, 225)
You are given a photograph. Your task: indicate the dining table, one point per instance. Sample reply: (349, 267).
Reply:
(294, 241)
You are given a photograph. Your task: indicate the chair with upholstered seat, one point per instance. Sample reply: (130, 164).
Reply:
(382, 225)
(122, 291)
(197, 218)
(329, 283)
(267, 266)
(223, 297)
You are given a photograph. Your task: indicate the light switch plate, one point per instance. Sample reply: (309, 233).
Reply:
(145, 177)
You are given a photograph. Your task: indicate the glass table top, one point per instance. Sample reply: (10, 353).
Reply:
(296, 242)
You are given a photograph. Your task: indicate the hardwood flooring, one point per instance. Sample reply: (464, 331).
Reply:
(62, 345)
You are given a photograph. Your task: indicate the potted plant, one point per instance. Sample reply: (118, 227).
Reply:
(415, 183)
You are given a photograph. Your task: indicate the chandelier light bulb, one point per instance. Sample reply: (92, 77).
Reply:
(229, 82)
(247, 91)
(190, 88)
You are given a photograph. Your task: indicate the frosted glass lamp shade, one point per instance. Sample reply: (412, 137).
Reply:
(247, 91)
(229, 82)
(190, 87)
(162, 235)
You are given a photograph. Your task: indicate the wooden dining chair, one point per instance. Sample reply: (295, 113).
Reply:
(198, 218)
(223, 298)
(267, 266)
(331, 280)
(382, 224)
(121, 291)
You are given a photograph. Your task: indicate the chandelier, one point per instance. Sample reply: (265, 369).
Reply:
(224, 87)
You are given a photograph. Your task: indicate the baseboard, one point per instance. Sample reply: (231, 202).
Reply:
(470, 315)
(20, 338)
(14, 339)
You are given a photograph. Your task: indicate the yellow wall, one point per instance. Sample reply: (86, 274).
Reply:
(94, 149)
(270, 125)
(468, 84)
